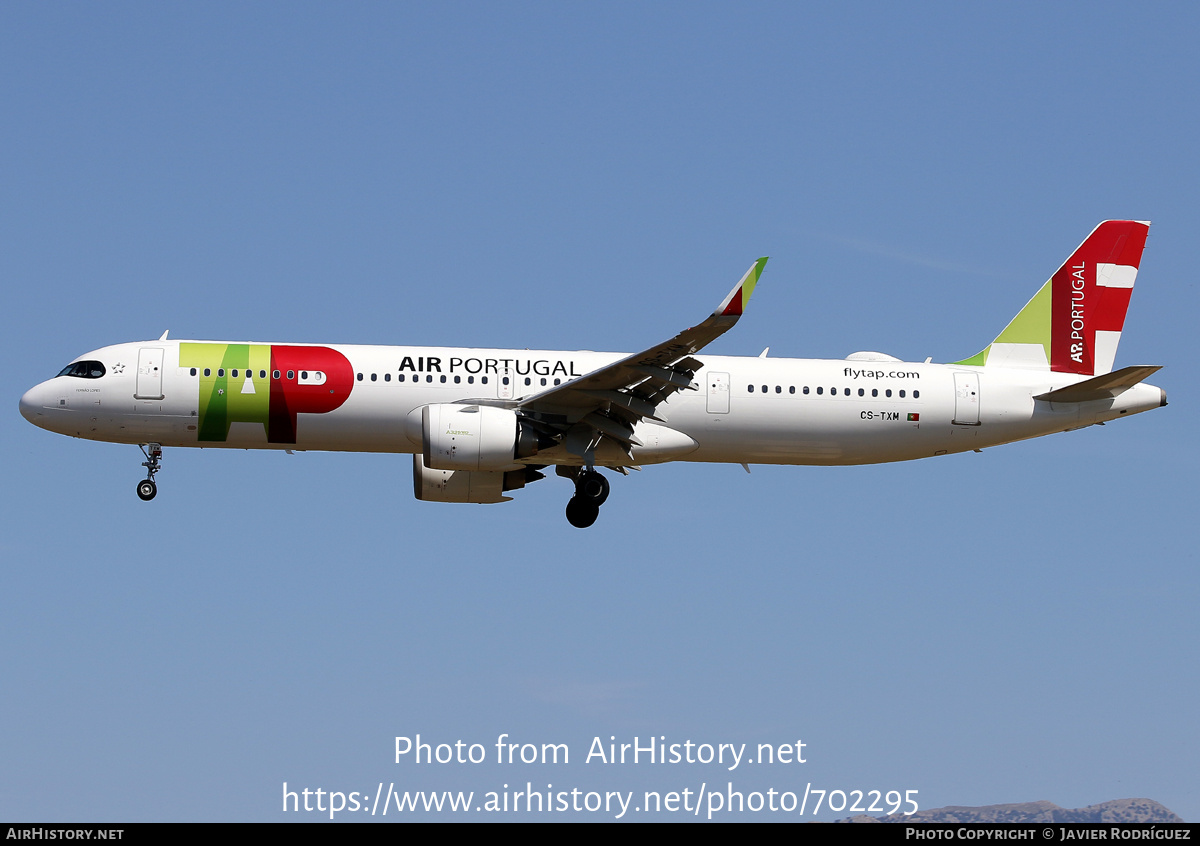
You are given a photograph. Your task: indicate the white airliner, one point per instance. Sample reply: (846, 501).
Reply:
(481, 422)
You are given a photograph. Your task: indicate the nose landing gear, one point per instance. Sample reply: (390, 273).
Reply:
(146, 489)
(591, 490)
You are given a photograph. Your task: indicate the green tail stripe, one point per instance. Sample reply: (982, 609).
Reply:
(1030, 326)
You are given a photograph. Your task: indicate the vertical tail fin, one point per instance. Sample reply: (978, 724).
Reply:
(1073, 323)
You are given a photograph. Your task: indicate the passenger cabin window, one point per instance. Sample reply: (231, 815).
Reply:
(83, 370)
(313, 377)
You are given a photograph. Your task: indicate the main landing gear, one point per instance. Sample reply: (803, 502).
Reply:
(146, 489)
(591, 490)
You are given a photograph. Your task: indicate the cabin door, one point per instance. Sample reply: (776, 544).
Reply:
(149, 375)
(966, 399)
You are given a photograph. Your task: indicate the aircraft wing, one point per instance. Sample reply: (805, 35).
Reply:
(606, 403)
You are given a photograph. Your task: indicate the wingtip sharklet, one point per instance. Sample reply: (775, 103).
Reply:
(734, 304)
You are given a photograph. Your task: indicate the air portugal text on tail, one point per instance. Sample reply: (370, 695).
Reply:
(1073, 324)
(481, 423)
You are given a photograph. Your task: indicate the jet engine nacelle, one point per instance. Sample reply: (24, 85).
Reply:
(470, 437)
(468, 485)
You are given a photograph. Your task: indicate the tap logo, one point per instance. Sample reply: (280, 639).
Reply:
(264, 383)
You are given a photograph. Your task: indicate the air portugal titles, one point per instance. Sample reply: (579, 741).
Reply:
(482, 366)
(481, 423)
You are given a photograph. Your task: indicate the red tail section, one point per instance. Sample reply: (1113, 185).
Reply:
(1090, 295)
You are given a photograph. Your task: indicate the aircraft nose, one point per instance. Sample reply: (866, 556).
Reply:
(31, 405)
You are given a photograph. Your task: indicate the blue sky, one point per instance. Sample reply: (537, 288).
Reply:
(1009, 626)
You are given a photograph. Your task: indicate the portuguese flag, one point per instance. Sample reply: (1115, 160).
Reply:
(914, 418)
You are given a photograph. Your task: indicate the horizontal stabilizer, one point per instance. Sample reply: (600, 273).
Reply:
(1101, 387)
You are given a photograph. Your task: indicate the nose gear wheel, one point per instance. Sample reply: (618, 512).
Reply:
(146, 489)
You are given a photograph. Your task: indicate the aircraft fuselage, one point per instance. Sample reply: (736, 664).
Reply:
(749, 410)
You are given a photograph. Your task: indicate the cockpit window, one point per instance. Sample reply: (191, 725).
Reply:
(84, 370)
